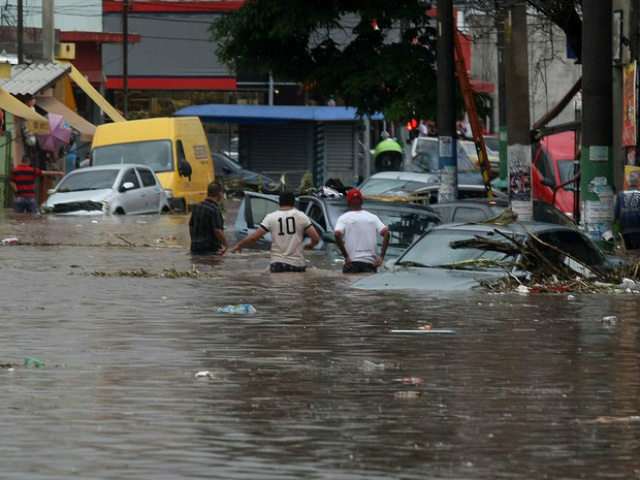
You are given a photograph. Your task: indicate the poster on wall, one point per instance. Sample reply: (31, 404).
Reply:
(629, 103)
(628, 170)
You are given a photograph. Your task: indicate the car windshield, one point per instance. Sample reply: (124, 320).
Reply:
(222, 162)
(435, 250)
(426, 157)
(88, 179)
(156, 155)
(567, 172)
(382, 186)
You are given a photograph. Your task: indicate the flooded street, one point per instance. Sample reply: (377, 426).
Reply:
(315, 385)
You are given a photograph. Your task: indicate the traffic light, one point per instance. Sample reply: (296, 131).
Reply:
(412, 129)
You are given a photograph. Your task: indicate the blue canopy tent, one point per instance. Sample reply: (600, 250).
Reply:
(293, 139)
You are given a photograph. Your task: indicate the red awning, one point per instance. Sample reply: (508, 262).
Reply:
(480, 86)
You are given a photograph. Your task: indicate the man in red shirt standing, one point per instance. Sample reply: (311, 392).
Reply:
(23, 182)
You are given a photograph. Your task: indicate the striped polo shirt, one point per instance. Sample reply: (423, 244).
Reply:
(24, 177)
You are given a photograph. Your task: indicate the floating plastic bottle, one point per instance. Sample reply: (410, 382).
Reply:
(242, 308)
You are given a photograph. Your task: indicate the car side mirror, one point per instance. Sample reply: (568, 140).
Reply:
(51, 191)
(126, 186)
(184, 168)
(328, 237)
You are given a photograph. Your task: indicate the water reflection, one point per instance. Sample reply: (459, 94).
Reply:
(308, 387)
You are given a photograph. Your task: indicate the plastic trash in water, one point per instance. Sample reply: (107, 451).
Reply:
(31, 362)
(242, 308)
(204, 374)
(609, 320)
(10, 241)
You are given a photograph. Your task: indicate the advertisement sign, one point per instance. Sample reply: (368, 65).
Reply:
(629, 105)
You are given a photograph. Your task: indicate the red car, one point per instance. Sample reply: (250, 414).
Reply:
(554, 176)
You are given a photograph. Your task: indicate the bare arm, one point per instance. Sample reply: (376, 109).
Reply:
(315, 238)
(385, 244)
(52, 173)
(223, 240)
(343, 250)
(253, 238)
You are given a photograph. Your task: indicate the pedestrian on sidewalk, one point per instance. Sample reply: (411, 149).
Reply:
(23, 182)
(356, 233)
(288, 227)
(206, 225)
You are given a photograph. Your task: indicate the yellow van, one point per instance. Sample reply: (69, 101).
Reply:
(176, 149)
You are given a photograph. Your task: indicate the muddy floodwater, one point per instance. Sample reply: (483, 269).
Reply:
(317, 384)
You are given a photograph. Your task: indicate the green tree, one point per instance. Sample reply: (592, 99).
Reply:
(332, 47)
(377, 56)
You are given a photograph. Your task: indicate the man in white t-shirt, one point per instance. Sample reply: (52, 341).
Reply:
(356, 234)
(288, 227)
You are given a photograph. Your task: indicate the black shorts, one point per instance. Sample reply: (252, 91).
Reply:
(360, 267)
(279, 267)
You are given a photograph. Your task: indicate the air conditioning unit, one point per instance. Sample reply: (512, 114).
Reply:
(67, 51)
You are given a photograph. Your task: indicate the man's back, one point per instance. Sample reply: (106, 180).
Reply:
(360, 231)
(287, 229)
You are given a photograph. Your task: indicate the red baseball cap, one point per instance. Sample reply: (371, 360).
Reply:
(354, 195)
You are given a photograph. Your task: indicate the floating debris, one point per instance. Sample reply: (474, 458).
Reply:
(421, 330)
(243, 308)
(410, 380)
(31, 362)
(609, 320)
(408, 395)
(205, 374)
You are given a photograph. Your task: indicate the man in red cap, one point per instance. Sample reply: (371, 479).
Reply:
(356, 234)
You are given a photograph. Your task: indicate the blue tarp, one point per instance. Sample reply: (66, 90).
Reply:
(270, 115)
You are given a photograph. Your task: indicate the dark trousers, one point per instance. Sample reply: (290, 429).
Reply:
(279, 267)
(360, 267)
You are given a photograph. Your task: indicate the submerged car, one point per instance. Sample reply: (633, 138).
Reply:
(236, 178)
(396, 183)
(406, 221)
(456, 256)
(117, 189)
(481, 209)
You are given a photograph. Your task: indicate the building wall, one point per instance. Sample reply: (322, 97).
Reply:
(174, 47)
(551, 73)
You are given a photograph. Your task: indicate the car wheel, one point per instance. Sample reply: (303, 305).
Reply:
(178, 205)
(118, 211)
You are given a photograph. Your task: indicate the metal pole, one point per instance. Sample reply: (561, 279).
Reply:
(125, 58)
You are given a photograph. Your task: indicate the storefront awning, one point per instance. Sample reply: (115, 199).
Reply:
(12, 105)
(53, 105)
(87, 88)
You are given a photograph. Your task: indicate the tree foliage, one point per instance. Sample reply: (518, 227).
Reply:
(376, 55)
(334, 47)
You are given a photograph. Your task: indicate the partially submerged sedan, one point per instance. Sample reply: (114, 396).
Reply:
(463, 256)
(116, 189)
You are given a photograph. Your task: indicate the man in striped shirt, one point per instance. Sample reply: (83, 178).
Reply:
(23, 183)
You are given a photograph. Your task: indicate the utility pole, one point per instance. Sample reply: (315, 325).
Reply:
(596, 178)
(518, 117)
(447, 158)
(48, 30)
(20, 34)
(501, 182)
(125, 58)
